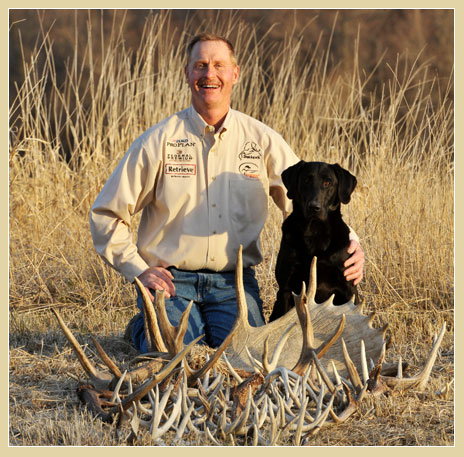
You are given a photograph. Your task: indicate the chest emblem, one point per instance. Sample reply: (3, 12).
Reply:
(250, 151)
(180, 143)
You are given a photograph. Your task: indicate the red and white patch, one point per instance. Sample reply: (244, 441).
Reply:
(180, 169)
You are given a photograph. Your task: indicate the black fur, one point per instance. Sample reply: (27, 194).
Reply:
(315, 228)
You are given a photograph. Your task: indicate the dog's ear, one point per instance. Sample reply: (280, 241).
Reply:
(289, 178)
(346, 183)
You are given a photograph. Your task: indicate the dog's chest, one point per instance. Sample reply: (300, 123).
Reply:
(306, 239)
(315, 245)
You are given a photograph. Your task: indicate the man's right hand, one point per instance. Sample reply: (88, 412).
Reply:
(158, 278)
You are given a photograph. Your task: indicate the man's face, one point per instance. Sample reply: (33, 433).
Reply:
(211, 74)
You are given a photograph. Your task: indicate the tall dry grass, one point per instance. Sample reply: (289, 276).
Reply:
(67, 137)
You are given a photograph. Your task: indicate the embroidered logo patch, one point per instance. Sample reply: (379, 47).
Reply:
(179, 156)
(250, 151)
(180, 143)
(180, 169)
(249, 169)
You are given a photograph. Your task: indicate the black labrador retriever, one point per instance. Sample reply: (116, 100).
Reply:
(314, 228)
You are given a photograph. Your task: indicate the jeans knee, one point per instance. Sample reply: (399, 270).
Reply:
(255, 314)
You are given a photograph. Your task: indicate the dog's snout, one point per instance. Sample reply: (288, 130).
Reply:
(314, 206)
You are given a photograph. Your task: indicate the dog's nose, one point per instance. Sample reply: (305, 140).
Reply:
(314, 206)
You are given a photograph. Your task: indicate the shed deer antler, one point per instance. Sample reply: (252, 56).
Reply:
(293, 391)
(326, 321)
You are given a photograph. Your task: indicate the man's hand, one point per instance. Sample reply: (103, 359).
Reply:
(355, 263)
(158, 278)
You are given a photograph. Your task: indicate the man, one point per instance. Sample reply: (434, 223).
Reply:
(201, 178)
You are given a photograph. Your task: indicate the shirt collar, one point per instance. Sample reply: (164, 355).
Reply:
(201, 126)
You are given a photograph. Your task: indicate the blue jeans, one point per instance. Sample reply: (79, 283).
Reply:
(214, 305)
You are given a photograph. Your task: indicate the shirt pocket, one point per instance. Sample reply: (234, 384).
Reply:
(248, 206)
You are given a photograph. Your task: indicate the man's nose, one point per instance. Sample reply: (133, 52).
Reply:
(210, 70)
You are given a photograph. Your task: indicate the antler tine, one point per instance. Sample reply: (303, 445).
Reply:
(255, 364)
(336, 375)
(352, 371)
(399, 373)
(147, 330)
(420, 380)
(425, 374)
(359, 309)
(231, 369)
(173, 336)
(307, 350)
(242, 311)
(182, 327)
(326, 345)
(324, 375)
(364, 369)
(106, 358)
(151, 320)
(266, 364)
(168, 331)
(102, 379)
(271, 365)
(312, 280)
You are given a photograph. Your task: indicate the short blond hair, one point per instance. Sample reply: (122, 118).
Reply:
(211, 37)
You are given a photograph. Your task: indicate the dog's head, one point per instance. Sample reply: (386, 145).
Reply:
(318, 187)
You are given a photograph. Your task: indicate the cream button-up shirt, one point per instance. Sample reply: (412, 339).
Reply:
(202, 193)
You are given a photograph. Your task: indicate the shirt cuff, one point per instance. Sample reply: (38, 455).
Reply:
(133, 269)
(353, 235)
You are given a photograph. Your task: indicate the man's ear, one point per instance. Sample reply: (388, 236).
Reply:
(236, 74)
(346, 183)
(290, 178)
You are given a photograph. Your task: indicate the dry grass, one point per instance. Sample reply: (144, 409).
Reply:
(396, 141)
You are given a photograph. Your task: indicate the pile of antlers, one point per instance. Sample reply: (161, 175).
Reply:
(325, 359)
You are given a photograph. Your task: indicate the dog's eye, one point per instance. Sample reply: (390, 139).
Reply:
(326, 183)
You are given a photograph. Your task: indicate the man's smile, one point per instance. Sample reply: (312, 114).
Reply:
(208, 85)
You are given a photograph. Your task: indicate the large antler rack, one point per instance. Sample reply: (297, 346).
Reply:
(325, 360)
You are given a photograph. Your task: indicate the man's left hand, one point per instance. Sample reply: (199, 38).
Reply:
(355, 263)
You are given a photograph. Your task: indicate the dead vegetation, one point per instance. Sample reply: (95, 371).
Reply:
(398, 141)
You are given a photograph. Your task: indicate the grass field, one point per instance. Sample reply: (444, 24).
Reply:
(67, 137)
